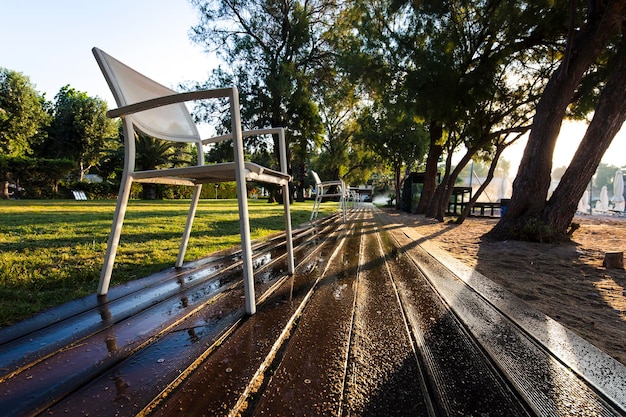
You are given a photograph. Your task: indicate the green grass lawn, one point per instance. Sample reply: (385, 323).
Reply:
(51, 251)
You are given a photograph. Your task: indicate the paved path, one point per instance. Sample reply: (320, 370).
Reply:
(374, 322)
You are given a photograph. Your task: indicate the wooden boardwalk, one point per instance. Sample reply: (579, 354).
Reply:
(376, 321)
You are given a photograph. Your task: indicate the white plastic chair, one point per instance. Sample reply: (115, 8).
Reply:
(322, 188)
(354, 198)
(160, 112)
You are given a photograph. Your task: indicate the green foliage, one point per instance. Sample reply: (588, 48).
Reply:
(605, 174)
(36, 177)
(154, 153)
(94, 190)
(534, 229)
(79, 128)
(475, 68)
(23, 118)
(393, 133)
(341, 154)
(274, 51)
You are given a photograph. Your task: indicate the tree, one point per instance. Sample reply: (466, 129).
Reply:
(341, 155)
(529, 215)
(274, 50)
(489, 58)
(111, 164)
(23, 120)
(467, 68)
(22, 114)
(607, 121)
(394, 134)
(33, 177)
(79, 128)
(604, 175)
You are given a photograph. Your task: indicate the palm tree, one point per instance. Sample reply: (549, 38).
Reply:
(154, 154)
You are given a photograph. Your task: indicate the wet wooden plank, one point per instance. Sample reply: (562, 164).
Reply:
(384, 376)
(228, 379)
(309, 378)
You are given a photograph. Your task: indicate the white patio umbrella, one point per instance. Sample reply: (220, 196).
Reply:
(583, 203)
(603, 205)
(504, 187)
(618, 191)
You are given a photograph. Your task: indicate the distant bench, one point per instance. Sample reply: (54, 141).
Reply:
(482, 207)
(478, 209)
(79, 195)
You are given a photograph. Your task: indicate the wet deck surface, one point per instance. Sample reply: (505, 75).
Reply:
(374, 322)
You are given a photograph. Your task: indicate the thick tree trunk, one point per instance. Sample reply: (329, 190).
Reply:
(531, 185)
(430, 177)
(607, 121)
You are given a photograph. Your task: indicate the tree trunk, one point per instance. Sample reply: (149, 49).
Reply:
(438, 199)
(149, 191)
(399, 181)
(83, 171)
(607, 121)
(430, 177)
(531, 185)
(5, 190)
(302, 171)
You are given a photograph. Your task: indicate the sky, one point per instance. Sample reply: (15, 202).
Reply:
(567, 143)
(50, 41)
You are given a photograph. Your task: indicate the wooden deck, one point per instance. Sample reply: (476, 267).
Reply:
(376, 321)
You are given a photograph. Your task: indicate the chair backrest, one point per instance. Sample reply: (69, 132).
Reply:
(172, 122)
(316, 177)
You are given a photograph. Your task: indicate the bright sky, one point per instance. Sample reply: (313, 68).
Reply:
(569, 138)
(51, 41)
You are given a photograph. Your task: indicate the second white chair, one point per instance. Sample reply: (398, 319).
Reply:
(322, 192)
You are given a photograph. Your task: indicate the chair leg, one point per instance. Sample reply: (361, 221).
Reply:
(246, 250)
(317, 203)
(114, 236)
(190, 217)
(314, 209)
(344, 201)
(288, 233)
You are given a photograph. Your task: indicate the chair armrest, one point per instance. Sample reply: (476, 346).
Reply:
(170, 99)
(244, 134)
(215, 139)
(280, 131)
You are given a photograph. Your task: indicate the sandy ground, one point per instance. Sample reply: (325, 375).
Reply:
(565, 281)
